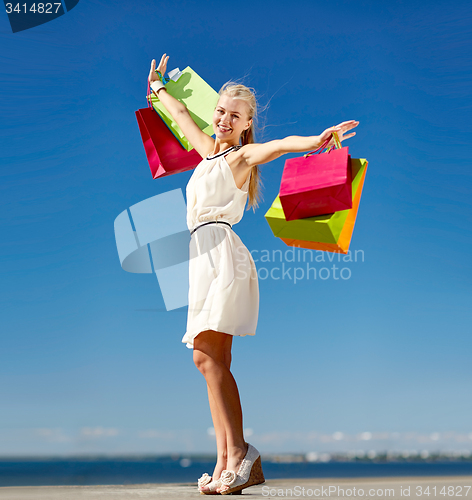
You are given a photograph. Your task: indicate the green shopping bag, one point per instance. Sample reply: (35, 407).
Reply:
(199, 98)
(321, 228)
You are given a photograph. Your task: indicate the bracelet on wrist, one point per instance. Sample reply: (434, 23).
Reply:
(157, 85)
(162, 78)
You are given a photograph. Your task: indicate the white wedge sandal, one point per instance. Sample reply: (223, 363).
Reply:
(249, 474)
(207, 480)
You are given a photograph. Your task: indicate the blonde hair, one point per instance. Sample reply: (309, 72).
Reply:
(239, 91)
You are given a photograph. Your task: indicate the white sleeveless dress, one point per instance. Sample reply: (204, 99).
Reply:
(224, 289)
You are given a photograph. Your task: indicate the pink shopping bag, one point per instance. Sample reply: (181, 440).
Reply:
(316, 185)
(164, 152)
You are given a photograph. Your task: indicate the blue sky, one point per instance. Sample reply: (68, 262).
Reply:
(90, 361)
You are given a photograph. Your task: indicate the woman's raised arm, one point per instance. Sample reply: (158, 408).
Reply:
(258, 154)
(202, 142)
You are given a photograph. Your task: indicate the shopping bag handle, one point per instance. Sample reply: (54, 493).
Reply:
(148, 95)
(337, 143)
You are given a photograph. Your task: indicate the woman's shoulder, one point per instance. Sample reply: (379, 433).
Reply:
(236, 159)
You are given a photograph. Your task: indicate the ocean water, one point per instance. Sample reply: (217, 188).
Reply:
(168, 470)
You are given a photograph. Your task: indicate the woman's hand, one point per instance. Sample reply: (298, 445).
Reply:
(162, 68)
(341, 129)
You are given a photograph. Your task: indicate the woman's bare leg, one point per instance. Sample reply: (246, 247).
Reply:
(220, 435)
(209, 354)
(220, 432)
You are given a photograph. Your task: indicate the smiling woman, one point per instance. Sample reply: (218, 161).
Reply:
(236, 113)
(224, 289)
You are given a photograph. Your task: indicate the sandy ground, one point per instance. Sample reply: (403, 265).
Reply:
(426, 488)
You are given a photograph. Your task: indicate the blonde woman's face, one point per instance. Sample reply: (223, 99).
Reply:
(231, 118)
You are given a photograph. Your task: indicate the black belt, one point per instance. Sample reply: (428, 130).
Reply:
(211, 222)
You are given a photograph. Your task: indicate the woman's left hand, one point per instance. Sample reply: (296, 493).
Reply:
(161, 68)
(341, 129)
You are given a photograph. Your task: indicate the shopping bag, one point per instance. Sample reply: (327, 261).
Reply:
(164, 153)
(321, 229)
(199, 98)
(317, 184)
(344, 240)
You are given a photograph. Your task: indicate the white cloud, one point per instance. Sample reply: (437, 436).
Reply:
(98, 432)
(56, 435)
(155, 434)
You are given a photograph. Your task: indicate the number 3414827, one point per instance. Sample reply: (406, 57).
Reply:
(445, 491)
(40, 8)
